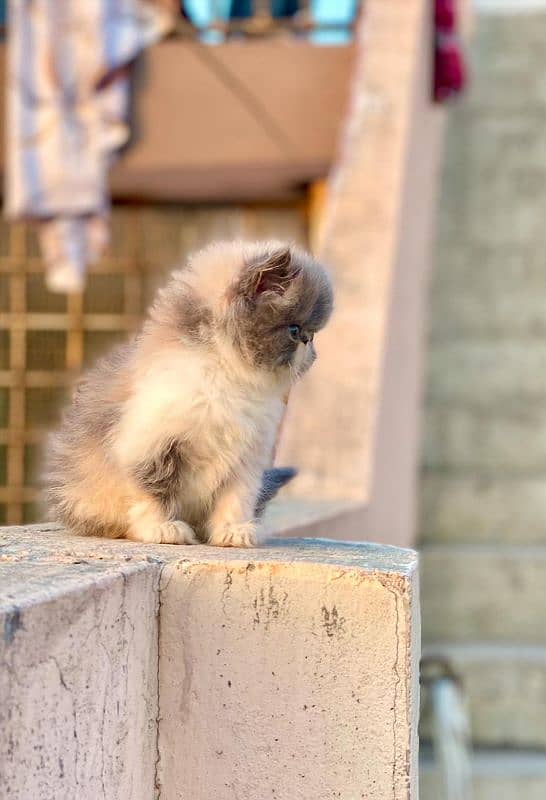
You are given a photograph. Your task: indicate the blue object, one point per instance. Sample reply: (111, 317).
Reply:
(243, 9)
(203, 13)
(333, 12)
(337, 13)
(284, 8)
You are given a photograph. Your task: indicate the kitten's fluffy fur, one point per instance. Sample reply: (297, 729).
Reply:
(167, 439)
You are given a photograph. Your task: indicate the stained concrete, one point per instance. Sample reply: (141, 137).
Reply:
(78, 681)
(134, 671)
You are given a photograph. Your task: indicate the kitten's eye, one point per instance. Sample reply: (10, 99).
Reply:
(294, 331)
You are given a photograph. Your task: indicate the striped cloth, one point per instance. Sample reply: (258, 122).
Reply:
(67, 115)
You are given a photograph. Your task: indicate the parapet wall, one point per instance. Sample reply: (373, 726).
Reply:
(132, 672)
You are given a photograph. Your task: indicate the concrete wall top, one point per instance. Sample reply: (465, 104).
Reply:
(159, 672)
(36, 560)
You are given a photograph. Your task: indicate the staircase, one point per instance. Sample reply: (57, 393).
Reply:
(483, 487)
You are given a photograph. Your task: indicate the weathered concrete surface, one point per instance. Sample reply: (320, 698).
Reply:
(498, 775)
(198, 672)
(273, 675)
(78, 674)
(473, 593)
(506, 690)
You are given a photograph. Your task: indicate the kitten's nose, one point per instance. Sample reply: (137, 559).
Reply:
(305, 338)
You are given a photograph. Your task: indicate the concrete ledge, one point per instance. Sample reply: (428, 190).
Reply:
(137, 672)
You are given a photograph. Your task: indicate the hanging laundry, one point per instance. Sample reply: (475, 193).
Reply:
(449, 64)
(67, 115)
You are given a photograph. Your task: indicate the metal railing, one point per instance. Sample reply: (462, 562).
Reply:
(451, 735)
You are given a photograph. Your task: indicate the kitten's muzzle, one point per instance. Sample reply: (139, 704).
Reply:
(301, 358)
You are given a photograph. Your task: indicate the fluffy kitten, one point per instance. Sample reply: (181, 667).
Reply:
(168, 439)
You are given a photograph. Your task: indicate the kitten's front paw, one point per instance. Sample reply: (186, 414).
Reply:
(176, 532)
(233, 535)
(173, 532)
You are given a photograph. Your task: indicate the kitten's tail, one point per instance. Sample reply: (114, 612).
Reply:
(273, 480)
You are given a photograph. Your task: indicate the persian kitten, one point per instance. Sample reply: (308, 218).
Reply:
(170, 437)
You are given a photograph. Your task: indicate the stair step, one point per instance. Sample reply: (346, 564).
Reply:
(484, 593)
(506, 690)
(502, 371)
(496, 300)
(509, 438)
(478, 507)
(498, 775)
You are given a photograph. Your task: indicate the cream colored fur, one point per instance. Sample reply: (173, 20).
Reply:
(198, 379)
(228, 413)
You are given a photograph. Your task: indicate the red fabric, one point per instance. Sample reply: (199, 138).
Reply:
(449, 64)
(445, 15)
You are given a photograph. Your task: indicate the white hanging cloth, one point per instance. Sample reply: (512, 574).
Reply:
(67, 115)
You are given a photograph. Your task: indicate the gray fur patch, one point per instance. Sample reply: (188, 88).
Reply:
(285, 288)
(160, 476)
(179, 309)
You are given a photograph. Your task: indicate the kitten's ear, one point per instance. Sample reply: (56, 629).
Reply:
(274, 273)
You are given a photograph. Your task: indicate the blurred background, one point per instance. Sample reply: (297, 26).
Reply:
(482, 492)
(243, 120)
